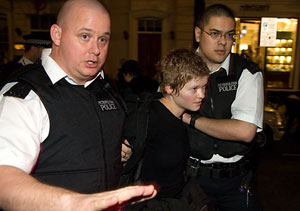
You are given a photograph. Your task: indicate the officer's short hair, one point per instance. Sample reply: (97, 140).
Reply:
(214, 10)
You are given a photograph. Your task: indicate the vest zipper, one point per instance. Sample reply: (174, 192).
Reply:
(102, 143)
(212, 104)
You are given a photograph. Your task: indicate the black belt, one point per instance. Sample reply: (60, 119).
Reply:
(216, 170)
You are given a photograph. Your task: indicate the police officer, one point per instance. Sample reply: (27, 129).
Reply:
(222, 133)
(33, 47)
(60, 123)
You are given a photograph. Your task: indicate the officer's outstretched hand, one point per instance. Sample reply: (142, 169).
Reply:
(114, 200)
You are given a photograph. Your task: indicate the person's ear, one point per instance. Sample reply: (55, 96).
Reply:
(197, 34)
(55, 33)
(168, 89)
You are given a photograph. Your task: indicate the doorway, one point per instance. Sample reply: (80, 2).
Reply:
(149, 52)
(149, 44)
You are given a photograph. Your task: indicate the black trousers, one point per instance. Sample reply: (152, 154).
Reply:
(226, 195)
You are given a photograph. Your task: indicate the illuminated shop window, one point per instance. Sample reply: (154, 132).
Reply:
(276, 62)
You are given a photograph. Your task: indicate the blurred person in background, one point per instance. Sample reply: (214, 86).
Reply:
(133, 81)
(33, 47)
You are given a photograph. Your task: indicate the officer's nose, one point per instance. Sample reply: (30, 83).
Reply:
(95, 48)
(222, 40)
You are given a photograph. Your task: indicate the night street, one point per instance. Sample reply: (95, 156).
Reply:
(279, 176)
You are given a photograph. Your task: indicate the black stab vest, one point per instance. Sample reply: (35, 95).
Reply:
(82, 151)
(220, 94)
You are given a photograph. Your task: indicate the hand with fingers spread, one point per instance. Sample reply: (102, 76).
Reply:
(20, 191)
(114, 199)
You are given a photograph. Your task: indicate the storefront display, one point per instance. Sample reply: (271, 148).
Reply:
(277, 62)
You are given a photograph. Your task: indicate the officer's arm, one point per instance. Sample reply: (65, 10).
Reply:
(227, 129)
(20, 191)
(247, 105)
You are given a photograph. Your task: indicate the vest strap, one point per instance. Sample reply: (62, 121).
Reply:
(20, 90)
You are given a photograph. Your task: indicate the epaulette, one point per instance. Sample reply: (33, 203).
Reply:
(20, 90)
(242, 62)
(250, 65)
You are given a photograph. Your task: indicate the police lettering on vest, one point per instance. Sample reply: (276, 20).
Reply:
(107, 105)
(229, 86)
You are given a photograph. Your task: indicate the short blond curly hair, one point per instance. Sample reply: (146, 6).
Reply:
(179, 67)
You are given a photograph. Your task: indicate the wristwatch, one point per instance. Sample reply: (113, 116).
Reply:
(192, 121)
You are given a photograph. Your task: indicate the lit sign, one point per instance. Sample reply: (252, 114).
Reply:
(268, 32)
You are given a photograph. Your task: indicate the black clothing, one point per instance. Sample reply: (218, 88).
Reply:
(82, 150)
(164, 164)
(221, 92)
(227, 193)
(138, 86)
(166, 151)
(142, 84)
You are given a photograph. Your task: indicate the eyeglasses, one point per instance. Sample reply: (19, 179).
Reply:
(218, 35)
